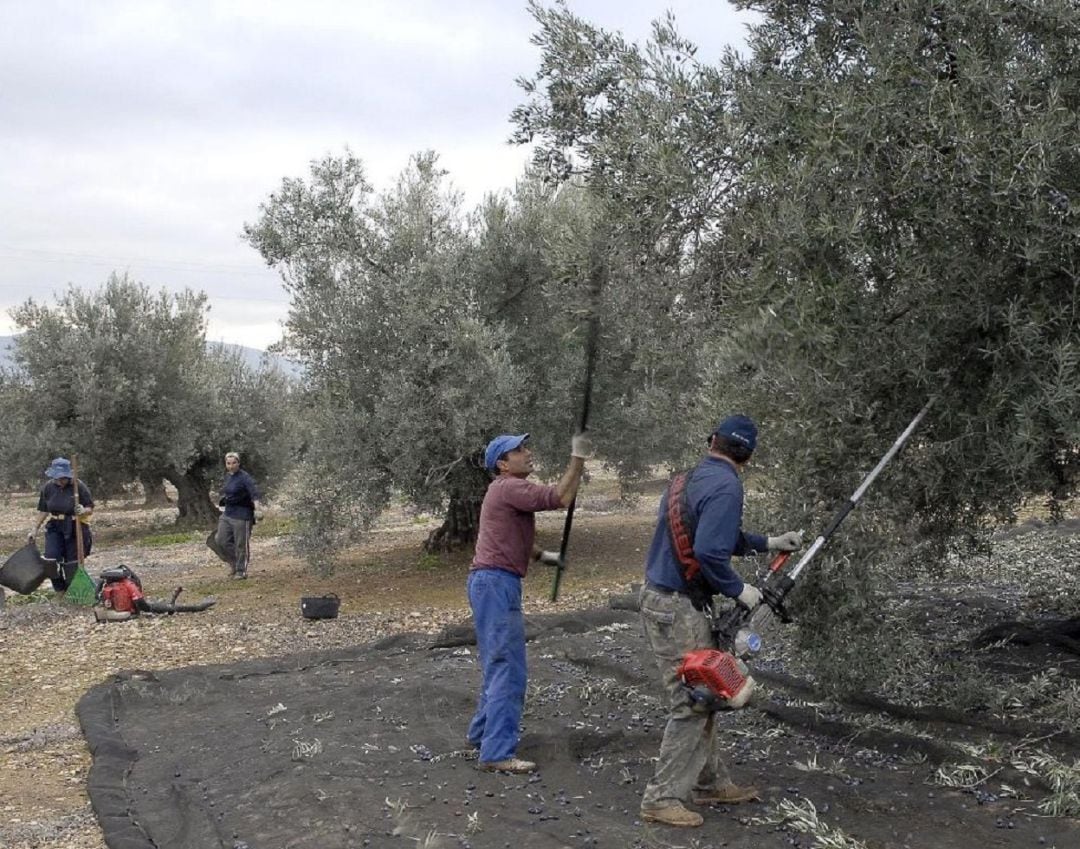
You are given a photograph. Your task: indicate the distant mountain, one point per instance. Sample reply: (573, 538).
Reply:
(6, 344)
(253, 357)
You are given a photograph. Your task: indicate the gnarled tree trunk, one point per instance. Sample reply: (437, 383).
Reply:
(462, 520)
(193, 499)
(153, 486)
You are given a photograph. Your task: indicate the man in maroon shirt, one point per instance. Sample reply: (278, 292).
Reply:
(504, 548)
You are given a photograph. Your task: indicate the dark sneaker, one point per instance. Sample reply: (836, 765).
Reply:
(514, 765)
(674, 814)
(725, 794)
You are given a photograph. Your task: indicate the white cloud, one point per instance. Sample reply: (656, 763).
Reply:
(140, 135)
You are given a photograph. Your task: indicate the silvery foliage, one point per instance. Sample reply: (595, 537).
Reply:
(122, 377)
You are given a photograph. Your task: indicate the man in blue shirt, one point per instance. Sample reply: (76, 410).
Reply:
(239, 497)
(675, 620)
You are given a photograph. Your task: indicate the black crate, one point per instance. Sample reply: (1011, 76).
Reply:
(320, 606)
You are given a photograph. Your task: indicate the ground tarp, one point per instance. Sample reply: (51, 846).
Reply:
(365, 748)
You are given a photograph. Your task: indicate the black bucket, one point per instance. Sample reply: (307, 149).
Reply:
(320, 606)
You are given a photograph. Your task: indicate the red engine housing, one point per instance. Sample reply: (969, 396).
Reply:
(121, 595)
(721, 673)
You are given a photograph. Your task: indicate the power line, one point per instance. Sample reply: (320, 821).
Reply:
(55, 256)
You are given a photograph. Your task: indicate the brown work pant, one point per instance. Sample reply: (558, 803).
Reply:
(688, 756)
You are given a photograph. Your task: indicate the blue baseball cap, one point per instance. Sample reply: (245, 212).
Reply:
(739, 429)
(59, 468)
(500, 445)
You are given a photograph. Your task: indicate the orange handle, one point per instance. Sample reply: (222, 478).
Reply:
(779, 561)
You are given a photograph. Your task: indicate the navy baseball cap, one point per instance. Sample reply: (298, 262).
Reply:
(500, 445)
(739, 429)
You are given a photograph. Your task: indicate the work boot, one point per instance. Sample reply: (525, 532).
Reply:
(239, 576)
(725, 794)
(674, 814)
(514, 765)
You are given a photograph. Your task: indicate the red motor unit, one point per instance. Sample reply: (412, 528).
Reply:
(716, 679)
(121, 595)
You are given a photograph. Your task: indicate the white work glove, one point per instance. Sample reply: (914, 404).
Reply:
(581, 446)
(30, 536)
(80, 509)
(548, 558)
(750, 597)
(790, 541)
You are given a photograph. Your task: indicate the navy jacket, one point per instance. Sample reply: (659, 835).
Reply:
(239, 495)
(715, 498)
(53, 499)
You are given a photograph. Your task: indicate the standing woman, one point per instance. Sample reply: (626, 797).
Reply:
(57, 505)
(239, 497)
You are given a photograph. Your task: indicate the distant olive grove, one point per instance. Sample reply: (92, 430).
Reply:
(122, 377)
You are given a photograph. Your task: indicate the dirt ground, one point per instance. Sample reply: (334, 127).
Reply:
(53, 653)
(820, 762)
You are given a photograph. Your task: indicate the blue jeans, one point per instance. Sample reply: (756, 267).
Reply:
(495, 599)
(60, 545)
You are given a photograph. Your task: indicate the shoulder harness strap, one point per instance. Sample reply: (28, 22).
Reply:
(682, 524)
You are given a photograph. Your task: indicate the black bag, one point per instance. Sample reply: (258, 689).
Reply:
(320, 606)
(26, 569)
(212, 544)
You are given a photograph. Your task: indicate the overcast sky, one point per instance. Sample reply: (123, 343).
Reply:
(140, 136)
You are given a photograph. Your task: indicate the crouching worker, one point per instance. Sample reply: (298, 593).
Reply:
(674, 615)
(504, 548)
(65, 516)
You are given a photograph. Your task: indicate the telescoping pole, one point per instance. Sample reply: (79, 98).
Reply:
(591, 343)
(849, 505)
(775, 591)
(79, 554)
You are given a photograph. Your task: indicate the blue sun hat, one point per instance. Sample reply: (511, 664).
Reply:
(500, 445)
(59, 468)
(739, 429)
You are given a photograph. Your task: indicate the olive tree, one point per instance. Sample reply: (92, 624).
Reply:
(902, 224)
(878, 205)
(407, 376)
(640, 130)
(425, 331)
(122, 377)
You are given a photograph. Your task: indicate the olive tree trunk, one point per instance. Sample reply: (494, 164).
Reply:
(193, 499)
(153, 486)
(462, 520)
